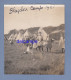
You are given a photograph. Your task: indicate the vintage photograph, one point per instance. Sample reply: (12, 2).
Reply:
(34, 39)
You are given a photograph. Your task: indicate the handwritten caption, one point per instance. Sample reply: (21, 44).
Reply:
(33, 8)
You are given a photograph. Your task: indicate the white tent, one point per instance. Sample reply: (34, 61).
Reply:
(11, 37)
(19, 36)
(35, 35)
(27, 34)
(43, 34)
(15, 36)
(5, 38)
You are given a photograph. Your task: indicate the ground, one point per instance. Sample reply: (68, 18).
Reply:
(38, 62)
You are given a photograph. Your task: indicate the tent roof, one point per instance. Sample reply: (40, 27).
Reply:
(27, 33)
(41, 29)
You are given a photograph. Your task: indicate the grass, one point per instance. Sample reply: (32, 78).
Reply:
(16, 62)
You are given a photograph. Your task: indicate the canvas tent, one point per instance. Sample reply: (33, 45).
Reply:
(27, 34)
(35, 35)
(11, 37)
(15, 36)
(19, 36)
(5, 38)
(42, 34)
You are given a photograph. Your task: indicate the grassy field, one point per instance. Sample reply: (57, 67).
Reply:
(16, 62)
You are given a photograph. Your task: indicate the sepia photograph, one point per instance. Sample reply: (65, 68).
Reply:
(34, 39)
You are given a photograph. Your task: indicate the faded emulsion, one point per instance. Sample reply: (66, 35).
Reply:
(34, 39)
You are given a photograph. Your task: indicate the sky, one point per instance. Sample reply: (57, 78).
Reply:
(33, 18)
